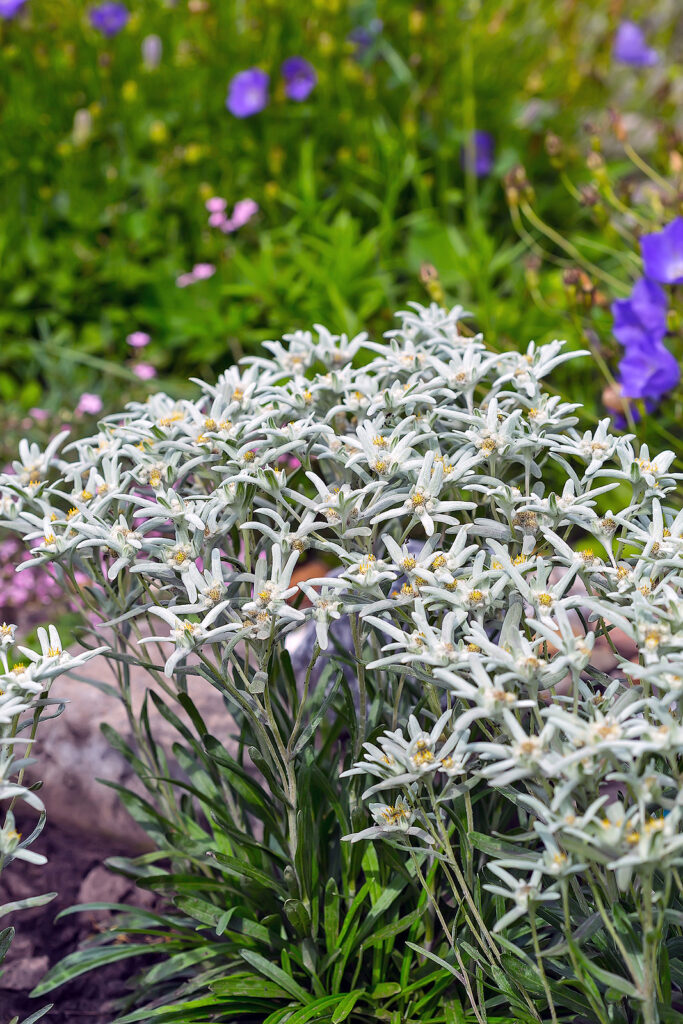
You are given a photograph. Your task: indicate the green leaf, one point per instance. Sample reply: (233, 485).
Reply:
(494, 847)
(6, 936)
(84, 960)
(298, 916)
(30, 901)
(317, 718)
(453, 1012)
(346, 1005)
(390, 930)
(276, 974)
(243, 983)
(278, 1016)
(180, 1013)
(242, 869)
(38, 1014)
(315, 1009)
(199, 909)
(665, 973)
(331, 914)
(607, 978)
(384, 990)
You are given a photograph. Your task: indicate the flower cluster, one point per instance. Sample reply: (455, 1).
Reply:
(248, 92)
(242, 213)
(648, 370)
(199, 272)
(462, 517)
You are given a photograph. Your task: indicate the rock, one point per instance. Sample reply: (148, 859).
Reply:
(72, 754)
(103, 886)
(19, 975)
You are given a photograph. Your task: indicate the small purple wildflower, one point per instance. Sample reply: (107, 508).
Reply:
(152, 52)
(648, 373)
(138, 339)
(109, 18)
(647, 368)
(363, 36)
(300, 78)
(242, 213)
(484, 151)
(202, 271)
(663, 253)
(216, 204)
(144, 371)
(248, 92)
(10, 8)
(89, 403)
(199, 272)
(640, 320)
(630, 46)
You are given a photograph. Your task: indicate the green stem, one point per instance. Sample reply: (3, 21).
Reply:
(449, 938)
(541, 968)
(570, 249)
(363, 695)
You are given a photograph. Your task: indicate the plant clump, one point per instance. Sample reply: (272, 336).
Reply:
(516, 662)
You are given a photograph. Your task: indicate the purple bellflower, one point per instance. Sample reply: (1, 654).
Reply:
(300, 78)
(648, 373)
(630, 46)
(647, 368)
(663, 253)
(10, 8)
(640, 320)
(484, 150)
(363, 37)
(109, 18)
(248, 92)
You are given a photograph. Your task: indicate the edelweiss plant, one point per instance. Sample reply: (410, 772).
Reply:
(462, 517)
(25, 701)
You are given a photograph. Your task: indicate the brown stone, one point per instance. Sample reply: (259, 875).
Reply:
(72, 754)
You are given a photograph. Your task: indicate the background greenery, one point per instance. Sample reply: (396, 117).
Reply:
(359, 186)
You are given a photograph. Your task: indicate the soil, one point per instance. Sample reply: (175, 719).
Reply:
(75, 871)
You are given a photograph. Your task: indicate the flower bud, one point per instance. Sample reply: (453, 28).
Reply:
(152, 51)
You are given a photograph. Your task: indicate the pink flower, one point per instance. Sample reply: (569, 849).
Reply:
(201, 271)
(39, 414)
(138, 339)
(144, 371)
(242, 213)
(216, 204)
(244, 210)
(217, 220)
(89, 403)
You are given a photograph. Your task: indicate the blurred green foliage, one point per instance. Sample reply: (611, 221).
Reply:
(105, 166)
